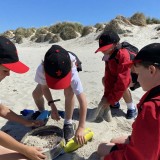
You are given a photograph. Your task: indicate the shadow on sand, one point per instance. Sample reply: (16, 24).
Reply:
(91, 112)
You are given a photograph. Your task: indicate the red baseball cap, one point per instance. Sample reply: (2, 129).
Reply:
(106, 40)
(57, 66)
(9, 57)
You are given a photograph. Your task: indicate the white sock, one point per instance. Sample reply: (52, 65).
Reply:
(68, 121)
(130, 106)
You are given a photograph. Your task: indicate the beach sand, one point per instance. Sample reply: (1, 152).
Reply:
(16, 90)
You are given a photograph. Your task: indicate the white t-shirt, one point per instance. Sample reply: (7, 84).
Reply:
(75, 80)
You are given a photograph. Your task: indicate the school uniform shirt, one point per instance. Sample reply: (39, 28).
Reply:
(75, 80)
(145, 138)
(117, 77)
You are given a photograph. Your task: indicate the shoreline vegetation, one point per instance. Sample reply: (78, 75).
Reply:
(63, 31)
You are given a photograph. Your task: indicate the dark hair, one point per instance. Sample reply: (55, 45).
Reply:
(146, 64)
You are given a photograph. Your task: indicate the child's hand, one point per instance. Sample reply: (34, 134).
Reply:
(34, 153)
(79, 135)
(54, 113)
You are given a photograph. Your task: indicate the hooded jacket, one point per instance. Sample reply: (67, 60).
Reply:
(117, 77)
(145, 138)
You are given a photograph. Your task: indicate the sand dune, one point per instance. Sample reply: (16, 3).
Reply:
(17, 89)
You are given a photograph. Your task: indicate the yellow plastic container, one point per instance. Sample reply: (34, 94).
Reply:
(72, 145)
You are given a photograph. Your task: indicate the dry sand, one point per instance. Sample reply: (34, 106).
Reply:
(16, 90)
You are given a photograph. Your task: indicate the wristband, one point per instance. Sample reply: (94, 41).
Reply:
(50, 102)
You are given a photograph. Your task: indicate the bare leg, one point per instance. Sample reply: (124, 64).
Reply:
(38, 97)
(69, 103)
(7, 154)
(100, 111)
(127, 96)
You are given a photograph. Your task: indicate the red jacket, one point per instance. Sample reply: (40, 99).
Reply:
(145, 138)
(117, 77)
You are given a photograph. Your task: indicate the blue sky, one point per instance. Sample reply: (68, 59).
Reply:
(39, 13)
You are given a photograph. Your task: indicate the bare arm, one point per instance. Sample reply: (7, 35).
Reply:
(47, 93)
(6, 113)
(83, 111)
(10, 143)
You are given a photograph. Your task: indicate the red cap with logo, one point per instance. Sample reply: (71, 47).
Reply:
(106, 40)
(9, 57)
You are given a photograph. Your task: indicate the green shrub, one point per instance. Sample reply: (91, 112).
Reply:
(123, 20)
(20, 32)
(156, 21)
(41, 31)
(8, 34)
(114, 25)
(76, 26)
(33, 38)
(19, 39)
(55, 39)
(48, 37)
(138, 19)
(99, 27)
(152, 20)
(68, 33)
(148, 20)
(57, 28)
(87, 30)
(29, 32)
(40, 38)
(23, 32)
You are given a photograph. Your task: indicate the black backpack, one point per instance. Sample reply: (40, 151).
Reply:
(78, 63)
(132, 50)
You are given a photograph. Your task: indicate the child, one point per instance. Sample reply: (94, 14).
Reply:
(116, 79)
(143, 144)
(9, 61)
(58, 71)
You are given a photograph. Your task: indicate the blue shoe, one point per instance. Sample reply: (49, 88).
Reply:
(116, 106)
(131, 113)
(35, 115)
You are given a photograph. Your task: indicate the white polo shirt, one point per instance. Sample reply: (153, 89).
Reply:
(75, 80)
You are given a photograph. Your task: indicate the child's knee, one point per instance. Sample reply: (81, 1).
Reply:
(68, 92)
(37, 93)
(34, 93)
(105, 148)
(101, 150)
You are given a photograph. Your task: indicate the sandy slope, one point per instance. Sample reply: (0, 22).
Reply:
(16, 90)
